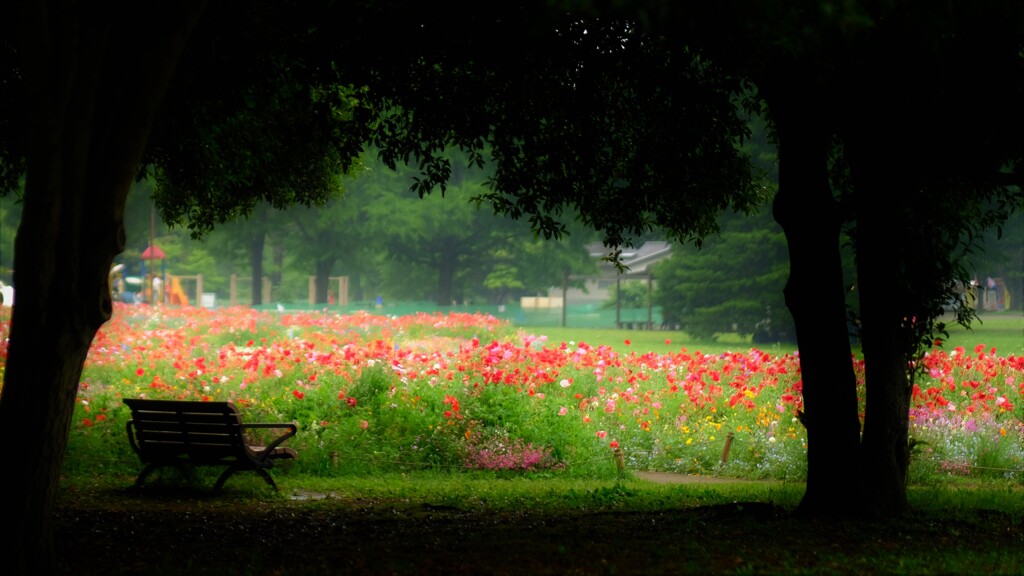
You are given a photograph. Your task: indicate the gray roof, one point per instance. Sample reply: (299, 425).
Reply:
(636, 258)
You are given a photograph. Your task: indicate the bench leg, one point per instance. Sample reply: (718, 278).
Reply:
(143, 475)
(224, 477)
(182, 467)
(267, 477)
(232, 469)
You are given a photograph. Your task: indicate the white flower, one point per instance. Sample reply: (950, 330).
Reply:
(565, 383)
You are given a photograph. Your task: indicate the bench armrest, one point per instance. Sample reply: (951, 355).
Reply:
(291, 428)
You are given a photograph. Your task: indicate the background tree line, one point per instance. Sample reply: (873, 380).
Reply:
(392, 244)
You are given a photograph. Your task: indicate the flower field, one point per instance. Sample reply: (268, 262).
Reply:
(469, 392)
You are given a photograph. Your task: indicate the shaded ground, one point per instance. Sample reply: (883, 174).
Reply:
(113, 532)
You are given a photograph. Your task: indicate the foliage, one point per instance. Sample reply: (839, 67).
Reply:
(629, 294)
(281, 133)
(733, 283)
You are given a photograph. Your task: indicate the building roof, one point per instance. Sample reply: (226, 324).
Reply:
(637, 259)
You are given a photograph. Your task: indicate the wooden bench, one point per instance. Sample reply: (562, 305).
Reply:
(181, 433)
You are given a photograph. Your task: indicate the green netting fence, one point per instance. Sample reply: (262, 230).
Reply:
(577, 316)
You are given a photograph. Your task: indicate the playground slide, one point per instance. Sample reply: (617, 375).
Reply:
(176, 295)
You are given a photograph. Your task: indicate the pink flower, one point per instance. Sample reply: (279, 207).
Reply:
(562, 411)
(601, 434)
(364, 424)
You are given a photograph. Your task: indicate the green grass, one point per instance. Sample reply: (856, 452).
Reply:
(542, 493)
(1004, 331)
(469, 491)
(644, 341)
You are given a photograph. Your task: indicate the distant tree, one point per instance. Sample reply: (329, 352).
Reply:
(336, 238)
(629, 293)
(733, 283)
(450, 249)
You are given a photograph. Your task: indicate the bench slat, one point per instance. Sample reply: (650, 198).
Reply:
(181, 427)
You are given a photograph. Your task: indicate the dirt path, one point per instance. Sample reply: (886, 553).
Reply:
(673, 478)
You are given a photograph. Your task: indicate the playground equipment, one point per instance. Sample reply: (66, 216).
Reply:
(175, 295)
(152, 290)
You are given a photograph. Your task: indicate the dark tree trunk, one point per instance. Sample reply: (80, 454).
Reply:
(322, 280)
(446, 268)
(92, 103)
(278, 260)
(883, 246)
(256, 245)
(809, 216)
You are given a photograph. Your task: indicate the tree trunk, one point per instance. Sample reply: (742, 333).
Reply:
(449, 259)
(805, 208)
(883, 246)
(256, 244)
(278, 261)
(322, 280)
(92, 103)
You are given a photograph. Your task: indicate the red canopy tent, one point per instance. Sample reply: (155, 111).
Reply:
(153, 252)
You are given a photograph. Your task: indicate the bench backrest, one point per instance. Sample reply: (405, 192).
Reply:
(202, 431)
